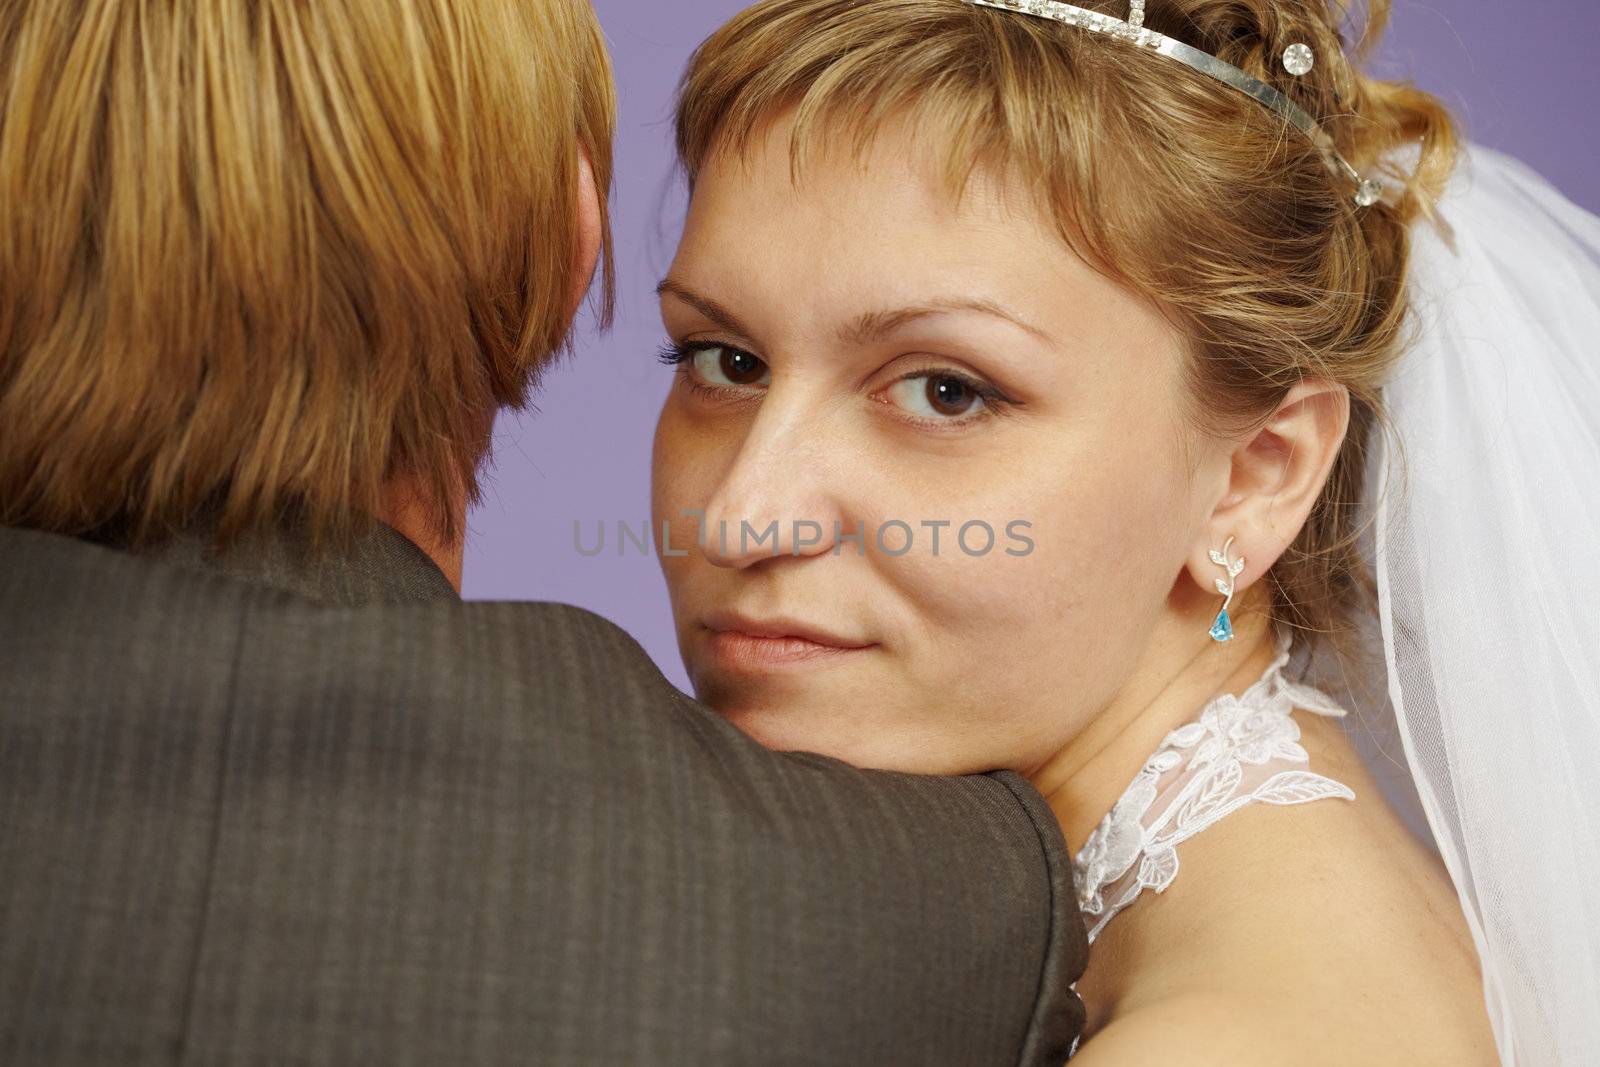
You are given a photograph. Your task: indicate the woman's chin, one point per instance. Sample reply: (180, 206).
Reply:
(769, 708)
(785, 714)
(826, 725)
(777, 730)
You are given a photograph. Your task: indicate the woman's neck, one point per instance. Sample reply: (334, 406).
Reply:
(1175, 678)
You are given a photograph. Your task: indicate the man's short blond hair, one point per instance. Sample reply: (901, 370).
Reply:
(259, 256)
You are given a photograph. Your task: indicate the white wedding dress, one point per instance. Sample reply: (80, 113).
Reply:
(1240, 750)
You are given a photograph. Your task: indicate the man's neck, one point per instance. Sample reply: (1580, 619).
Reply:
(403, 508)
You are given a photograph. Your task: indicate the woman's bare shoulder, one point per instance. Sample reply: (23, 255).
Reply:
(1258, 1028)
(1296, 934)
(1213, 1029)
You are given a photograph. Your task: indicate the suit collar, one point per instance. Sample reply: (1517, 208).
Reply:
(383, 566)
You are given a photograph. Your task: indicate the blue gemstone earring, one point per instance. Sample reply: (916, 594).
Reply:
(1222, 629)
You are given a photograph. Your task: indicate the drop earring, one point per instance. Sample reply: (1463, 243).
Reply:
(1222, 629)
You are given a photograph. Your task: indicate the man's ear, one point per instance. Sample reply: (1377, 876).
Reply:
(1273, 480)
(587, 248)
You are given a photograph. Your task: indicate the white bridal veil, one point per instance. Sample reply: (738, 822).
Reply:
(1486, 548)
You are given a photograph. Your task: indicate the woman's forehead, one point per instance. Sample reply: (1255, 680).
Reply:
(881, 230)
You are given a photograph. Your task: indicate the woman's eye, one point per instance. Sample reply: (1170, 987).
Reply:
(938, 397)
(719, 365)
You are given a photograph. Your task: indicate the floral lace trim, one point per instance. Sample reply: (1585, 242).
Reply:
(1241, 750)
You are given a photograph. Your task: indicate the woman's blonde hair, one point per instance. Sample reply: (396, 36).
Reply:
(259, 256)
(1176, 186)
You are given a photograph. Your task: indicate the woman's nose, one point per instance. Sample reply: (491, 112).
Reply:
(780, 496)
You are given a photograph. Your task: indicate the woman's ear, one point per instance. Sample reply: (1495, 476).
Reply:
(1273, 480)
(586, 250)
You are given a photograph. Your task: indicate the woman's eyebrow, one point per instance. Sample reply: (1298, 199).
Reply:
(704, 305)
(865, 328)
(875, 325)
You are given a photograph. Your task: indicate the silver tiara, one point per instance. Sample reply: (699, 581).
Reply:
(1297, 60)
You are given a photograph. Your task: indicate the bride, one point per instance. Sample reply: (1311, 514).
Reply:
(1061, 390)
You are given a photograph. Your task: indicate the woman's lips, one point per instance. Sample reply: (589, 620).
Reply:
(732, 650)
(737, 643)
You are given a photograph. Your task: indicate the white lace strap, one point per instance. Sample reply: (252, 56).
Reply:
(1241, 750)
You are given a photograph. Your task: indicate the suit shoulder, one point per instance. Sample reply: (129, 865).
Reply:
(535, 645)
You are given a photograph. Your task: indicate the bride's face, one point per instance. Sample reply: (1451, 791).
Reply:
(863, 354)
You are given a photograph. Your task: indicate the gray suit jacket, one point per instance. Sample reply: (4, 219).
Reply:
(260, 810)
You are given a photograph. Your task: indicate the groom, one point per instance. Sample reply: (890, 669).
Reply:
(269, 790)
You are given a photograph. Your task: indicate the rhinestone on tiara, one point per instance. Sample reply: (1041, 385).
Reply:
(1367, 190)
(1298, 59)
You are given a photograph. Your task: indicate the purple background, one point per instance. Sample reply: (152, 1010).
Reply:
(1520, 75)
